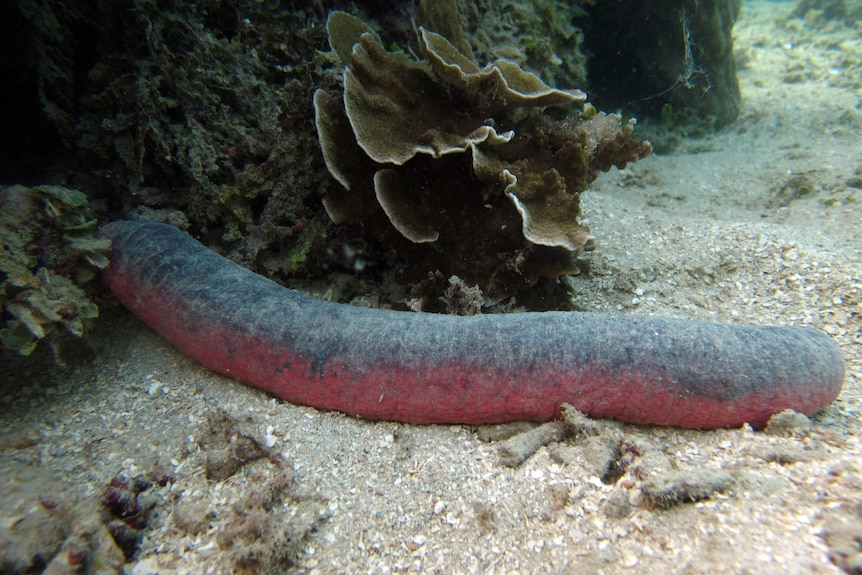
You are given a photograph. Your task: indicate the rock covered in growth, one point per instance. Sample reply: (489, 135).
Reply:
(49, 254)
(670, 60)
(460, 169)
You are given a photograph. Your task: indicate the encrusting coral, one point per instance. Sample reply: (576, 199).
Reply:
(469, 165)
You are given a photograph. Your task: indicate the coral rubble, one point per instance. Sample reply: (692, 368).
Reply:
(48, 252)
(460, 169)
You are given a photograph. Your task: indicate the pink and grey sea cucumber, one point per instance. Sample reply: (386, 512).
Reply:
(430, 368)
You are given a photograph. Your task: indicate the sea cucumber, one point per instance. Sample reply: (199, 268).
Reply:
(430, 368)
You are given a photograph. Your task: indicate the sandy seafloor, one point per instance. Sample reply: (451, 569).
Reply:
(757, 224)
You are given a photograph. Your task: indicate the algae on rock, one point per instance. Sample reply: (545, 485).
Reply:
(48, 252)
(460, 169)
(199, 108)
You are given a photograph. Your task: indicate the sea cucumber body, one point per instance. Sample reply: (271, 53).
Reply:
(428, 368)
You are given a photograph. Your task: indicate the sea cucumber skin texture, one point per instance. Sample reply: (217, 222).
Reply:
(429, 368)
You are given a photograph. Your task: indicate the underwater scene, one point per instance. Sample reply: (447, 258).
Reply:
(455, 286)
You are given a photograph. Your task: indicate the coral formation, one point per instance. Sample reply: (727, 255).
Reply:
(48, 252)
(462, 157)
(540, 36)
(201, 114)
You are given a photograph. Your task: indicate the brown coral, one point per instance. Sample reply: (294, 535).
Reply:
(461, 162)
